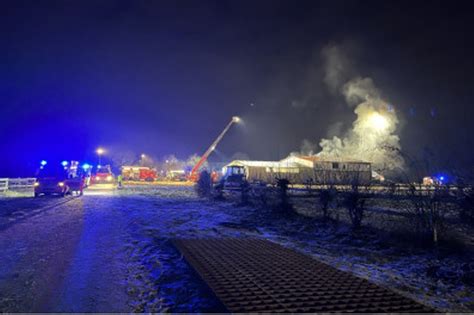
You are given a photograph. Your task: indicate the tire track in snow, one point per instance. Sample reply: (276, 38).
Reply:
(19, 216)
(36, 254)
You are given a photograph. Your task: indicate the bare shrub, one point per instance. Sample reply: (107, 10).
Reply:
(426, 203)
(326, 197)
(203, 186)
(465, 201)
(355, 204)
(259, 194)
(218, 192)
(427, 209)
(282, 184)
(244, 193)
(309, 186)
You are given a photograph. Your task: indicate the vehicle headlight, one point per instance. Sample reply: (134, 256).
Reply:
(60, 184)
(36, 184)
(109, 178)
(97, 178)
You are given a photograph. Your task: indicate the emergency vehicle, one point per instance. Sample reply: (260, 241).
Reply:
(103, 175)
(59, 179)
(139, 173)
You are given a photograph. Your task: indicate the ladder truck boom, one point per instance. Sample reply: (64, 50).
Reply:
(194, 172)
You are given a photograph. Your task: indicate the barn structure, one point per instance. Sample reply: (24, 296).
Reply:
(305, 169)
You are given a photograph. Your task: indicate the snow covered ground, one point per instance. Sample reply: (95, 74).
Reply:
(110, 251)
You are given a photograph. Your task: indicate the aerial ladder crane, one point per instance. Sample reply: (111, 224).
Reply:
(194, 176)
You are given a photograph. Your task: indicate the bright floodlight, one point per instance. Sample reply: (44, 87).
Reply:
(100, 151)
(378, 122)
(236, 119)
(64, 163)
(43, 163)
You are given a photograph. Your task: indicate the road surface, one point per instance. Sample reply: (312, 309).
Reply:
(103, 252)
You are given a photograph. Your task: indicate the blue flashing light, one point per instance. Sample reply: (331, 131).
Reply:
(64, 163)
(43, 163)
(442, 178)
(86, 166)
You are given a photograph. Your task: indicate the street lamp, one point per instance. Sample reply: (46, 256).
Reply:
(143, 156)
(100, 151)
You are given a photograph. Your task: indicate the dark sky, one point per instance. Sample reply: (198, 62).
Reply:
(164, 77)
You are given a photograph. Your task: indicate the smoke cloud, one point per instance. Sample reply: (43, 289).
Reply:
(337, 67)
(372, 137)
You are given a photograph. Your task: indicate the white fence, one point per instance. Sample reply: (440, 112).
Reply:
(16, 183)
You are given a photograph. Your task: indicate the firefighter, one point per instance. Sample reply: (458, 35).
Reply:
(119, 180)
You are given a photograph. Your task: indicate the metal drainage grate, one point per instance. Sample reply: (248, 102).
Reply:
(252, 275)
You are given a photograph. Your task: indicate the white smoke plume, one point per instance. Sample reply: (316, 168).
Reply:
(372, 137)
(337, 67)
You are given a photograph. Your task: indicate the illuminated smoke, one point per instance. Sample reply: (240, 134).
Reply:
(337, 67)
(372, 137)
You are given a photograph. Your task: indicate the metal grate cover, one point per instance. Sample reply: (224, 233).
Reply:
(252, 275)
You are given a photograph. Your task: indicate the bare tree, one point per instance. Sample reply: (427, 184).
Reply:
(326, 197)
(193, 160)
(426, 207)
(121, 158)
(355, 199)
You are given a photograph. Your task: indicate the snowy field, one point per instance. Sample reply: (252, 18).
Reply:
(110, 251)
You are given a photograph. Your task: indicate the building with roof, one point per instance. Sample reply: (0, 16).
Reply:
(300, 169)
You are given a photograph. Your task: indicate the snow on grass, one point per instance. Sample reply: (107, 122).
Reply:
(175, 212)
(134, 226)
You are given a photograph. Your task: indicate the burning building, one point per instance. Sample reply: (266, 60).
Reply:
(303, 170)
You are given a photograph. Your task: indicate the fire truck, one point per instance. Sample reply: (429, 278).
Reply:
(194, 175)
(139, 173)
(103, 175)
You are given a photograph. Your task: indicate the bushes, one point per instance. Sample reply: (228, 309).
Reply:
(355, 205)
(282, 184)
(427, 211)
(465, 201)
(259, 194)
(203, 186)
(244, 193)
(326, 197)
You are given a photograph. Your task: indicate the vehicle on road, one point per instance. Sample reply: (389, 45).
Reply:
(76, 184)
(103, 175)
(51, 180)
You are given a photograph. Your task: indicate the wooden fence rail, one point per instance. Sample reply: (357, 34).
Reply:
(16, 183)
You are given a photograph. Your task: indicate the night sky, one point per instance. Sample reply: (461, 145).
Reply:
(165, 77)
